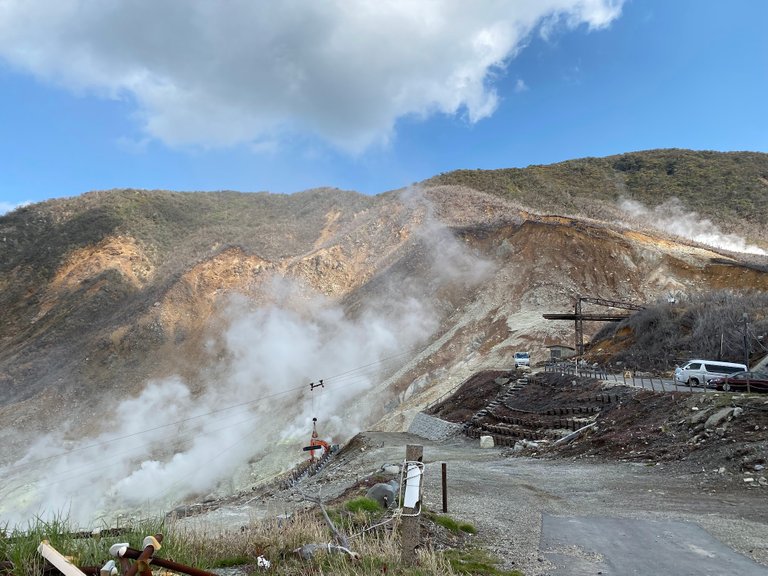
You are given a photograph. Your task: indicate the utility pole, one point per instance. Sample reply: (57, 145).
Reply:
(579, 344)
(746, 341)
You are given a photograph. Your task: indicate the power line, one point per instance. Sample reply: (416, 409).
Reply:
(153, 429)
(117, 456)
(341, 376)
(382, 360)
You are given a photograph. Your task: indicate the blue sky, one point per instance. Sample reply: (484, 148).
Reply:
(289, 96)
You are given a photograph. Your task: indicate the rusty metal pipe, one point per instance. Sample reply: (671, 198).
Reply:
(144, 557)
(134, 554)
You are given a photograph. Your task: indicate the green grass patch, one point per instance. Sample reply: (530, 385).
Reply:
(476, 562)
(232, 561)
(468, 528)
(451, 524)
(21, 543)
(363, 504)
(277, 540)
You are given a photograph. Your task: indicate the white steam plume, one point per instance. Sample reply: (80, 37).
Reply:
(671, 216)
(260, 403)
(273, 354)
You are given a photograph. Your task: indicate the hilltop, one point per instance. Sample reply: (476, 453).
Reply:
(729, 188)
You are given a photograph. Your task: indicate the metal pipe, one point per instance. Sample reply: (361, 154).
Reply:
(134, 554)
(144, 557)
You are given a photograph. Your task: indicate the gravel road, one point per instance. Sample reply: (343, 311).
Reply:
(507, 498)
(669, 521)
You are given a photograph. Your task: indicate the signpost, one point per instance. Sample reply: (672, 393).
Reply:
(414, 453)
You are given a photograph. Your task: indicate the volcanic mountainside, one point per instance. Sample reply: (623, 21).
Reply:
(103, 293)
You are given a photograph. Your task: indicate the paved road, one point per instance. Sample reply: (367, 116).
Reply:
(588, 545)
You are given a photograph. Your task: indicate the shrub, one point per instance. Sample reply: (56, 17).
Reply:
(709, 325)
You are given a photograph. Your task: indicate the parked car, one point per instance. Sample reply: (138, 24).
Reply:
(522, 359)
(742, 382)
(700, 372)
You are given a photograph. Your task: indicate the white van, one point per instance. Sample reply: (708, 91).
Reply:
(700, 372)
(522, 359)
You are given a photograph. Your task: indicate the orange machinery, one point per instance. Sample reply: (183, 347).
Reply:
(316, 444)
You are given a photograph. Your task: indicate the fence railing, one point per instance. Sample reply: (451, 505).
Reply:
(628, 378)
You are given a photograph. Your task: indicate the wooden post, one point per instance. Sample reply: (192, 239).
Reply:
(445, 487)
(63, 564)
(410, 528)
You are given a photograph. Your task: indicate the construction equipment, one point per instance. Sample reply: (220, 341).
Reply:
(316, 444)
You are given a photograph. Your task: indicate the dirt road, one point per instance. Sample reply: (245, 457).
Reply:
(560, 516)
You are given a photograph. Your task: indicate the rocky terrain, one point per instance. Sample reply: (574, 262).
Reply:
(688, 466)
(722, 436)
(194, 323)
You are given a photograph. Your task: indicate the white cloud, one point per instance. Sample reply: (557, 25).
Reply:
(521, 86)
(210, 74)
(6, 207)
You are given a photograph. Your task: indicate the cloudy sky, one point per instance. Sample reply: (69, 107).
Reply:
(368, 95)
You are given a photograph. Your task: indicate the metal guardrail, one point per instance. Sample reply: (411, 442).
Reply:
(629, 378)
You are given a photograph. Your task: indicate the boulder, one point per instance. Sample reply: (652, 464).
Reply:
(718, 417)
(699, 416)
(523, 444)
(486, 441)
(391, 469)
(385, 493)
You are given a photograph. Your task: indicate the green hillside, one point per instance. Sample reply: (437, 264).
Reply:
(727, 187)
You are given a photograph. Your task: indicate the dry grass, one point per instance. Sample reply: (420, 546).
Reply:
(275, 539)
